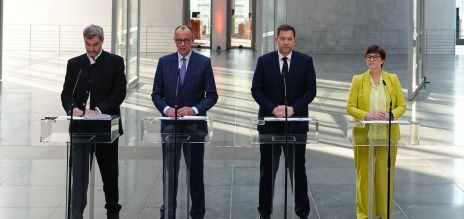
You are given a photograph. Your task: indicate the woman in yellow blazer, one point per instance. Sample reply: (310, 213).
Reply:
(369, 99)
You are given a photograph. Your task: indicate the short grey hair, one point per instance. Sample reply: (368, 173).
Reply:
(184, 27)
(92, 31)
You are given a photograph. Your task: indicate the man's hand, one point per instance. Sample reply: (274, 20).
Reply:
(170, 112)
(376, 116)
(77, 112)
(92, 112)
(290, 111)
(185, 111)
(279, 111)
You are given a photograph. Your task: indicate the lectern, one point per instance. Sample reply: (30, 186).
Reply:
(374, 134)
(86, 132)
(183, 133)
(275, 139)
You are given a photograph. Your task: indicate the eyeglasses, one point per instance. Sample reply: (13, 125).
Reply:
(186, 41)
(373, 57)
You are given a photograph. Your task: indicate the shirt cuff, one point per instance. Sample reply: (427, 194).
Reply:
(165, 110)
(195, 110)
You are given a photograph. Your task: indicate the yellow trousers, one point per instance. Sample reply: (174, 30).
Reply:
(361, 162)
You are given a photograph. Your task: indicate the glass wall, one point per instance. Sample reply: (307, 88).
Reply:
(417, 55)
(200, 21)
(126, 25)
(266, 26)
(241, 23)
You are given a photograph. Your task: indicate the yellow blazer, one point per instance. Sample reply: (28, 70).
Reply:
(358, 104)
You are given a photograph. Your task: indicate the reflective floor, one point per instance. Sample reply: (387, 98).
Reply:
(429, 181)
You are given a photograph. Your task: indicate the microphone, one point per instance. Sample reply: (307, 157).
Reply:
(284, 75)
(389, 94)
(77, 81)
(176, 103)
(74, 90)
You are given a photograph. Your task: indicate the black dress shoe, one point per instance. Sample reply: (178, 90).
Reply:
(264, 217)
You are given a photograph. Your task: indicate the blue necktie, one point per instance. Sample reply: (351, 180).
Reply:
(183, 69)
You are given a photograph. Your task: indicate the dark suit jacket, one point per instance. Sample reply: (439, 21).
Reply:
(105, 80)
(268, 88)
(198, 89)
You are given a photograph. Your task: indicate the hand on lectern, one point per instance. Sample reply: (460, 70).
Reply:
(92, 112)
(186, 111)
(77, 112)
(376, 116)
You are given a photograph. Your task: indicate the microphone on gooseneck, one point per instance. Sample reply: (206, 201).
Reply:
(75, 83)
(177, 87)
(74, 90)
(389, 94)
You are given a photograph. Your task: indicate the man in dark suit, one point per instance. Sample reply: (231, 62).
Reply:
(184, 78)
(98, 83)
(268, 91)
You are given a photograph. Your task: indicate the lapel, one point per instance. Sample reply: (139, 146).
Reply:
(275, 64)
(366, 89)
(294, 62)
(173, 67)
(275, 70)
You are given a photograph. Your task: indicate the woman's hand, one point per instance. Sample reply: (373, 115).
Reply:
(376, 116)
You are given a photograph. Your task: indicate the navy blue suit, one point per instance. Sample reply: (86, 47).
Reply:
(268, 91)
(197, 90)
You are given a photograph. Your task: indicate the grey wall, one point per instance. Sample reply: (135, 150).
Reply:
(349, 26)
(65, 12)
(440, 26)
(53, 25)
(158, 18)
(161, 13)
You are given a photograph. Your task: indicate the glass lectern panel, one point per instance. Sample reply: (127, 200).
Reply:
(56, 129)
(372, 139)
(309, 137)
(285, 153)
(198, 129)
(86, 132)
(184, 136)
(375, 133)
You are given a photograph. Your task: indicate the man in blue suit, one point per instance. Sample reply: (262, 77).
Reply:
(268, 90)
(184, 78)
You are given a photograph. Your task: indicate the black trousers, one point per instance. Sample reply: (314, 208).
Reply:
(269, 164)
(107, 158)
(194, 161)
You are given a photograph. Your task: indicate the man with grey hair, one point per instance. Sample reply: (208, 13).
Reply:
(184, 83)
(95, 84)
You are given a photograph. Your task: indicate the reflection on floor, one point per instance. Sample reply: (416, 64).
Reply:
(429, 178)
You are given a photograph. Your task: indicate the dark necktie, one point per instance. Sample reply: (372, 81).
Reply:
(285, 67)
(183, 69)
